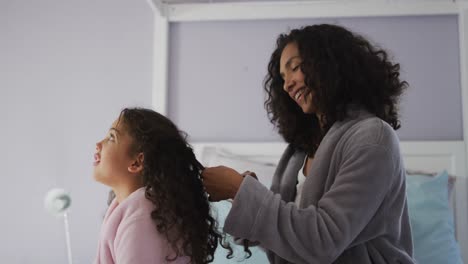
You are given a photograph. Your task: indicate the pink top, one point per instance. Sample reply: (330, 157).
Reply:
(129, 235)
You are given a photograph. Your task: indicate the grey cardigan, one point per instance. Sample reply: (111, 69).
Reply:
(353, 206)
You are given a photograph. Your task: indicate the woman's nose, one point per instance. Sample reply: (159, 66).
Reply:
(288, 84)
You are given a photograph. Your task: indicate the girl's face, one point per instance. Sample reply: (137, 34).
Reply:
(294, 84)
(113, 164)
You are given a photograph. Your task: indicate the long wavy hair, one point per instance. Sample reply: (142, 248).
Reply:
(172, 176)
(344, 70)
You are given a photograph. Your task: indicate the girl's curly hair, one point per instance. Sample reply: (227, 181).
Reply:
(344, 70)
(172, 176)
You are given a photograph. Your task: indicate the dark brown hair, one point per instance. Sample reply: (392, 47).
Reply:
(172, 176)
(344, 70)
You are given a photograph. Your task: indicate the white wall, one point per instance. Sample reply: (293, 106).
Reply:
(66, 70)
(221, 65)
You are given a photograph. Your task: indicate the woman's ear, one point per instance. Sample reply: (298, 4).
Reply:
(137, 164)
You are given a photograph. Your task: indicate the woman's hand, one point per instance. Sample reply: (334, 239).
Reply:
(221, 182)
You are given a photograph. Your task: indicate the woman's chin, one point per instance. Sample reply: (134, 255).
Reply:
(307, 110)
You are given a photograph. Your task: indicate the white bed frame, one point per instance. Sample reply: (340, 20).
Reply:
(428, 156)
(425, 155)
(165, 14)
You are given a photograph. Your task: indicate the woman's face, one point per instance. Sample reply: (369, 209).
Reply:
(294, 84)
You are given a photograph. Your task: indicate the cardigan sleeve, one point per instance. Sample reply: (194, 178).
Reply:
(316, 234)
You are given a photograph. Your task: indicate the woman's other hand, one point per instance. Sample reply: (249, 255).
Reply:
(249, 173)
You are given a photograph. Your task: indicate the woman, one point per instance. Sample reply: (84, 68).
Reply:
(338, 194)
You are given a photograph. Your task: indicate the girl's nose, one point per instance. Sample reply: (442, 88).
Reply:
(98, 145)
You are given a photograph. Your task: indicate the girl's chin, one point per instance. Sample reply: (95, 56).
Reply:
(96, 177)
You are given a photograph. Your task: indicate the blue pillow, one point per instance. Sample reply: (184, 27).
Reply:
(221, 210)
(432, 220)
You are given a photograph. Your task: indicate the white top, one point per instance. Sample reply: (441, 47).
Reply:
(300, 182)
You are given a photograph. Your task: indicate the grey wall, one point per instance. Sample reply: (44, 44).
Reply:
(66, 70)
(217, 69)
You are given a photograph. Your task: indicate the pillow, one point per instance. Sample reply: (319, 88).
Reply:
(220, 211)
(432, 220)
(450, 185)
(212, 156)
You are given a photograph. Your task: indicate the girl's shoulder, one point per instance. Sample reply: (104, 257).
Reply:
(137, 205)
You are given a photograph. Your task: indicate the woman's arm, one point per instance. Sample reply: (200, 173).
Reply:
(316, 234)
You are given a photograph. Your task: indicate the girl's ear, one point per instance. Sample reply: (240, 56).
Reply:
(137, 164)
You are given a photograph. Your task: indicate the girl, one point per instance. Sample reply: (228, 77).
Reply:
(160, 212)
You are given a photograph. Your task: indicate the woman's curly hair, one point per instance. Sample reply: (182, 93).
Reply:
(172, 176)
(344, 70)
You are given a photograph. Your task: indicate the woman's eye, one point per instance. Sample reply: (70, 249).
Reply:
(111, 137)
(296, 68)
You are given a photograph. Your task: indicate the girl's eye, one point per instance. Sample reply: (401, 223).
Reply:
(111, 137)
(296, 68)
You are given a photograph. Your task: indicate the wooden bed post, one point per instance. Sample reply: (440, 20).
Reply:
(463, 197)
(160, 57)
